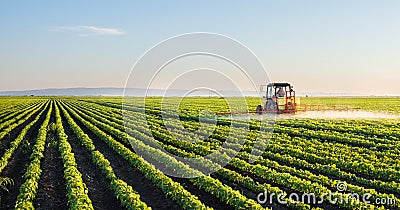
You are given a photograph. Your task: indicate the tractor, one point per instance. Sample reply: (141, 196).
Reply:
(278, 98)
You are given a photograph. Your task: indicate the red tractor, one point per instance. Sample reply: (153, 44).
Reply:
(279, 98)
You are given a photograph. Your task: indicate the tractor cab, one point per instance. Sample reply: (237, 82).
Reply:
(278, 98)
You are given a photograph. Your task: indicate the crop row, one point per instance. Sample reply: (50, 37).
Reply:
(386, 133)
(264, 177)
(214, 187)
(10, 112)
(32, 175)
(76, 188)
(172, 189)
(317, 153)
(18, 120)
(246, 182)
(128, 197)
(16, 143)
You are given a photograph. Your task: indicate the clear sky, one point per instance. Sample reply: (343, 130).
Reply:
(319, 46)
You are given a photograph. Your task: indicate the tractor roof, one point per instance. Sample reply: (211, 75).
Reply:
(279, 84)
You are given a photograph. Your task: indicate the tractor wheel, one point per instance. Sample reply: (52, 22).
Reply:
(259, 109)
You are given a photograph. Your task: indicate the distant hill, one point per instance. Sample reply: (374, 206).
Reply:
(67, 92)
(115, 92)
(140, 92)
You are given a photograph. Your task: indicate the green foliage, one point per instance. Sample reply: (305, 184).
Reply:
(355, 143)
(16, 143)
(77, 191)
(381, 104)
(5, 182)
(32, 175)
(171, 188)
(302, 155)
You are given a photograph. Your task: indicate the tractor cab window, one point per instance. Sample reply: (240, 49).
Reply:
(281, 92)
(270, 92)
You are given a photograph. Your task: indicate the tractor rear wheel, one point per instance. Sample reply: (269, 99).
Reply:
(259, 109)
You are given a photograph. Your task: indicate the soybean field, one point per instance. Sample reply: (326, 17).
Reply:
(77, 153)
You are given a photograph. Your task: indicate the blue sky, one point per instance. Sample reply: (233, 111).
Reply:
(319, 46)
